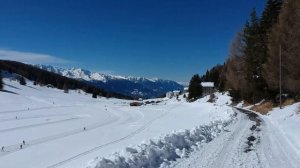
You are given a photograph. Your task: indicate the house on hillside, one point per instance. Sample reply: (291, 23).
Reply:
(207, 88)
(176, 92)
(185, 90)
(169, 95)
(172, 94)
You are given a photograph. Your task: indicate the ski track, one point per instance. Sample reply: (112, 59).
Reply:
(39, 124)
(32, 117)
(34, 109)
(111, 142)
(228, 150)
(16, 147)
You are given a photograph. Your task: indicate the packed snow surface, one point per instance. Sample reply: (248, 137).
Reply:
(74, 130)
(253, 141)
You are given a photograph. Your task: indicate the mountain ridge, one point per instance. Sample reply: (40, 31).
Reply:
(137, 87)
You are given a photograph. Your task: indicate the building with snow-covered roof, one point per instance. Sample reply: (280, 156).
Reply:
(169, 95)
(176, 92)
(185, 89)
(207, 88)
(172, 94)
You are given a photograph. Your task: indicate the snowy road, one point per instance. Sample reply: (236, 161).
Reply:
(251, 141)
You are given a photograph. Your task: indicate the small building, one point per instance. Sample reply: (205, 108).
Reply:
(207, 88)
(176, 92)
(185, 89)
(172, 94)
(169, 95)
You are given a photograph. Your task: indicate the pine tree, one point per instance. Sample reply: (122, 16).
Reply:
(66, 88)
(245, 72)
(269, 19)
(94, 94)
(270, 16)
(1, 81)
(22, 81)
(286, 33)
(254, 60)
(195, 88)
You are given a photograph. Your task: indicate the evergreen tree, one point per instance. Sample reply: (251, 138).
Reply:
(215, 75)
(195, 88)
(268, 20)
(95, 93)
(22, 81)
(254, 60)
(1, 81)
(245, 72)
(66, 88)
(270, 16)
(286, 33)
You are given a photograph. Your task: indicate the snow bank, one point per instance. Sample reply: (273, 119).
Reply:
(287, 121)
(162, 151)
(223, 98)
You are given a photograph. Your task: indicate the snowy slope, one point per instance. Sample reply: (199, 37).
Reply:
(131, 86)
(74, 130)
(52, 125)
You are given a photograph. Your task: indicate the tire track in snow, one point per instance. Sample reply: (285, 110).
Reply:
(234, 143)
(226, 150)
(112, 142)
(270, 149)
(284, 155)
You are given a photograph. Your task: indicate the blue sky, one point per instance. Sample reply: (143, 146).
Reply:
(171, 39)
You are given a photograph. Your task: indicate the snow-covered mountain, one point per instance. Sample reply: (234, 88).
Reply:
(131, 86)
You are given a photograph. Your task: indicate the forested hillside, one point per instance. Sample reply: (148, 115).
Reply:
(252, 70)
(43, 77)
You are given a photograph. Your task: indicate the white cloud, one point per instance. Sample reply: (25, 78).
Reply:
(29, 57)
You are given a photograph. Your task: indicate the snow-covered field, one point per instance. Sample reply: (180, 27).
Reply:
(74, 130)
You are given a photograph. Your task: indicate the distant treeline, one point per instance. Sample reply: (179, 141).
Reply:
(252, 70)
(43, 77)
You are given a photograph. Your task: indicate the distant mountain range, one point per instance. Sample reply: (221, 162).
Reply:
(137, 87)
